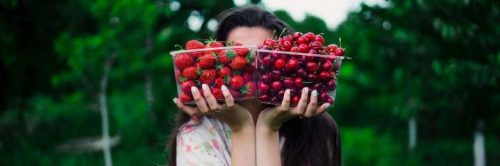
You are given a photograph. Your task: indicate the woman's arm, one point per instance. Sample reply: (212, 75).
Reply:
(235, 116)
(270, 121)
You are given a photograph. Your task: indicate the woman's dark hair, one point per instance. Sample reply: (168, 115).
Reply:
(311, 141)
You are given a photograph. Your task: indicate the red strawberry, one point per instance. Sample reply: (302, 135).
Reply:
(185, 98)
(217, 93)
(225, 56)
(194, 44)
(248, 89)
(219, 82)
(238, 63)
(223, 72)
(182, 61)
(186, 86)
(214, 44)
(190, 73)
(207, 61)
(236, 81)
(178, 75)
(243, 52)
(208, 76)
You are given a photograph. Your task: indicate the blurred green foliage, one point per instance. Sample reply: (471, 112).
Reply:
(436, 61)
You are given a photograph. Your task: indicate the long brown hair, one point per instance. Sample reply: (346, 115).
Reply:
(308, 141)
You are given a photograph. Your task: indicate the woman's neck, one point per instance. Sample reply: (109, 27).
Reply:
(254, 107)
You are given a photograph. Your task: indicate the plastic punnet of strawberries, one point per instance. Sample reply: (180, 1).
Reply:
(214, 64)
(296, 61)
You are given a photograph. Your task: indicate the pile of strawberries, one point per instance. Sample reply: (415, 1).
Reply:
(215, 64)
(296, 61)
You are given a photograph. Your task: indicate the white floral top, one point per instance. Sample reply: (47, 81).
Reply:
(207, 143)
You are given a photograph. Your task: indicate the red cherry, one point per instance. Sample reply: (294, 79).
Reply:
(312, 77)
(298, 82)
(287, 45)
(293, 64)
(295, 100)
(288, 83)
(270, 43)
(311, 67)
(302, 40)
(276, 85)
(316, 45)
(264, 98)
(339, 52)
(279, 64)
(296, 35)
(324, 76)
(320, 39)
(310, 36)
(263, 88)
(303, 48)
(327, 65)
(331, 48)
(294, 49)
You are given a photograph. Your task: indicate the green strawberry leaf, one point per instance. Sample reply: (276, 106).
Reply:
(231, 54)
(245, 90)
(182, 79)
(226, 80)
(198, 71)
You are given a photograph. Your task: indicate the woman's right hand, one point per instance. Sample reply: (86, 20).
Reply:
(236, 116)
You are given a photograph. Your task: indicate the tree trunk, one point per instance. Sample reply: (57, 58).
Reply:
(148, 83)
(412, 133)
(478, 145)
(103, 107)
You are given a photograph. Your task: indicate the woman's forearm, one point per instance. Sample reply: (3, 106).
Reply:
(243, 147)
(268, 146)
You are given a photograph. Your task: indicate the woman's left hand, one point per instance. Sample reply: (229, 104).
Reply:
(272, 118)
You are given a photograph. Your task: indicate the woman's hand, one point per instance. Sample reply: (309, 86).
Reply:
(231, 113)
(272, 118)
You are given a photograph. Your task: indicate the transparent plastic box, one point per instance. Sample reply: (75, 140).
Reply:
(277, 71)
(230, 66)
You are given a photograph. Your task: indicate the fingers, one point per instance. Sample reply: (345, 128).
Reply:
(322, 109)
(210, 99)
(301, 106)
(189, 110)
(198, 99)
(285, 103)
(227, 96)
(313, 105)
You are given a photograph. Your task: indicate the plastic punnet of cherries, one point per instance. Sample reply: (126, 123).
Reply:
(296, 61)
(290, 62)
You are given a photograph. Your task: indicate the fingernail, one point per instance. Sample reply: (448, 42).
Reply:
(224, 88)
(194, 89)
(315, 93)
(327, 105)
(205, 87)
(175, 100)
(287, 91)
(306, 90)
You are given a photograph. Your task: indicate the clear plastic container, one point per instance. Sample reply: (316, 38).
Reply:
(278, 71)
(230, 66)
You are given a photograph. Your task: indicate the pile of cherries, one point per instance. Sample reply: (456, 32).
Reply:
(296, 61)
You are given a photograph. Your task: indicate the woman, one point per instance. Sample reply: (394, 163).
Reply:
(248, 132)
